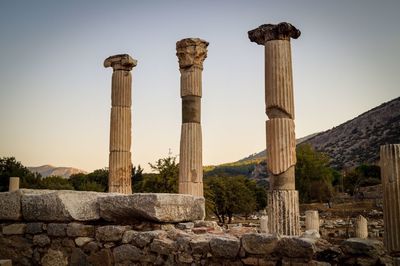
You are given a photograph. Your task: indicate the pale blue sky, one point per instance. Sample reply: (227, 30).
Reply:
(55, 94)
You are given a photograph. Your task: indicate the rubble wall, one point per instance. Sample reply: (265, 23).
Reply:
(34, 231)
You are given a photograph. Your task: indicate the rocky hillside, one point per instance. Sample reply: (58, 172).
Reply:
(49, 170)
(357, 141)
(261, 155)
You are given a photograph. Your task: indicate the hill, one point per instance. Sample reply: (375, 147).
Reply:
(49, 170)
(350, 144)
(357, 141)
(261, 155)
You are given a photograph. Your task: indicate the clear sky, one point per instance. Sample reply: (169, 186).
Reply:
(55, 95)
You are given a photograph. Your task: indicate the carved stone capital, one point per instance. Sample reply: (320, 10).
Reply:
(120, 62)
(191, 52)
(269, 32)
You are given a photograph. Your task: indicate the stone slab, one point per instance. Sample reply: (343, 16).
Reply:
(5, 263)
(60, 205)
(259, 243)
(10, 206)
(14, 229)
(157, 207)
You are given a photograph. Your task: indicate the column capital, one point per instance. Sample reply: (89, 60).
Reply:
(191, 52)
(120, 62)
(269, 32)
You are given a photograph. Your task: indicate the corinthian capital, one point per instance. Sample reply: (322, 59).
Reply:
(269, 32)
(191, 52)
(120, 62)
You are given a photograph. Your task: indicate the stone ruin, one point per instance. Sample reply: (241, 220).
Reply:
(283, 199)
(191, 53)
(45, 227)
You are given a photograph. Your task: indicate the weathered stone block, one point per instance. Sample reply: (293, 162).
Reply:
(200, 245)
(224, 247)
(126, 252)
(41, 240)
(77, 229)
(103, 257)
(295, 247)
(54, 257)
(55, 229)
(259, 243)
(162, 246)
(14, 229)
(81, 241)
(17, 248)
(142, 239)
(5, 263)
(363, 247)
(34, 228)
(160, 207)
(61, 205)
(110, 232)
(10, 205)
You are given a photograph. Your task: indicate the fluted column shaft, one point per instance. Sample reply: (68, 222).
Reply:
(390, 174)
(361, 227)
(283, 199)
(13, 184)
(120, 162)
(191, 53)
(312, 220)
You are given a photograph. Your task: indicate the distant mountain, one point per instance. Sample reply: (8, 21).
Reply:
(356, 141)
(49, 170)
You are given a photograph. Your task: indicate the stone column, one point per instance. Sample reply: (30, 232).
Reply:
(312, 220)
(361, 227)
(283, 199)
(191, 54)
(13, 184)
(120, 164)
(264, 223)
(390, 175)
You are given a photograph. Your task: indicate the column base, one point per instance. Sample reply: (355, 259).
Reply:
(191, 188)
(120, 172)
(283, 212)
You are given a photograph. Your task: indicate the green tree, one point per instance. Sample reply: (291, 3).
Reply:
(164, 180)
(94, 181)
(361, 176)
(9, 167)
(99, 176)
(137, 178)
(226, 196)
(313, 175)
(55, 182)
(78, 180)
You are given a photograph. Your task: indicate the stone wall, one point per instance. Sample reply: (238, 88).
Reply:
(48, 228)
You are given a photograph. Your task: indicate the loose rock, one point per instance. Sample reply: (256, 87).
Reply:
(54, 257)
(259, 243)
(41, 240)
(110, 232)
(14, 229)
(224, 247)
